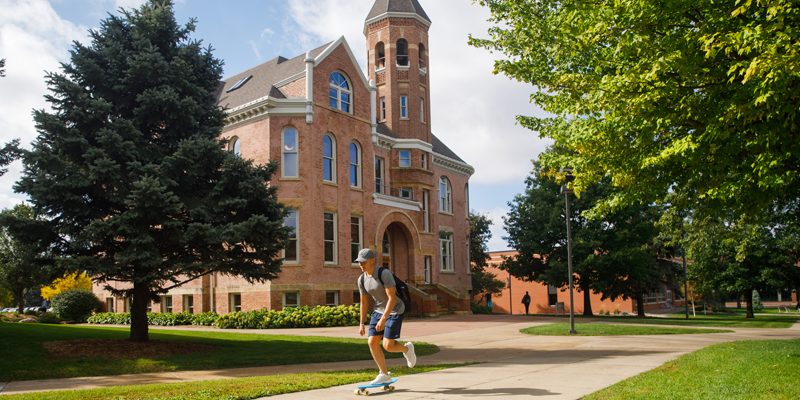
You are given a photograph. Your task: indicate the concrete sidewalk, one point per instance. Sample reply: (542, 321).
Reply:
(514, 364)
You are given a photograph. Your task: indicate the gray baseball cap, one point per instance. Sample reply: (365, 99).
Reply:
(364, 255)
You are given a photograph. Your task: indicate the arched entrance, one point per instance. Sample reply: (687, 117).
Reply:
(395, 248)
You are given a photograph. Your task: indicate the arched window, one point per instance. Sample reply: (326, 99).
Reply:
(402, 52)
(235, 146)
(380, 56)
(340, 92)
(421, 56)
(289, 153)
(355, 165)
(445, 195)
(328, 158)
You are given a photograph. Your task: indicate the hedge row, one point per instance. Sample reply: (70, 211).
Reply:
(302, 317)
(161, 319)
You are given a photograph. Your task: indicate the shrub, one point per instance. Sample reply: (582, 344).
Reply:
(205, 319)
(301, 317)
(75, 304)
(49, 318)
(30, 312)
(479, 309)
(616, 310)
(757, 304)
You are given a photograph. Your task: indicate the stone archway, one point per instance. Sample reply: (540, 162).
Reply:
(400, 232)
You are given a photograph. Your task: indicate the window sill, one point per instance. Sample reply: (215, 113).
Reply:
(427, 233)
(331, 266)
(290, 179)
(447, 272)
(356, 189)
(328, 183)
(291, 265)
(446, 213)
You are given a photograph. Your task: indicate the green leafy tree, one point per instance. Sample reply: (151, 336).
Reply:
(740, 256)
(611, 256)
(132, 175)
(696, 97)
(2, 67)
(23, 266)
(483, 282)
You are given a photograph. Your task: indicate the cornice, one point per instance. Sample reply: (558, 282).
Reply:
(263, 108)
(385, 15)
(452, 165)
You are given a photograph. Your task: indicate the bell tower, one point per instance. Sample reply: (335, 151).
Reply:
(397, 48)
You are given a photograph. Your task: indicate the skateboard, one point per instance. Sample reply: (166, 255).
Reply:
(362, 390)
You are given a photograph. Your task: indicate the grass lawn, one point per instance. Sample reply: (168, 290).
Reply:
(764, 369)
(227, 389)
(22, 358)
(562, 329)
(728, 320)
(765, 311)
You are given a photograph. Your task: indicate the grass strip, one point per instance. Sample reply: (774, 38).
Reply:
(23, 358)
(745, 370)
(227, 389)
(562, 329)
(727, 320)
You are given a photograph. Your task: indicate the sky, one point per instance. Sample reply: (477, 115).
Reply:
(472, 111)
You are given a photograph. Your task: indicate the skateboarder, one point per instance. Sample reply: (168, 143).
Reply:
(526, 300)
(387, 317)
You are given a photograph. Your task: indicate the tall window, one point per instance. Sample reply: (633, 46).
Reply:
(405, 158)
(110, 304)
(355, 165)
(469, 267)
(445, 196)
(166, 304)
(422, 110)
(424, 161)
(340, 92)
(402, 52)
(446, 244)
(235, 300)
(426, 219)
(331, 299)
(378, 175)
(387, 251)
(330, 238)
(235, 146)
(383, 108)
(403, 106)
(292, 248)
(291, 299)
(552, 296)
(421, 56)
(466, 201)
(355, 239)
(188, 303)
(328, 158)
(289, 153)
(380, 56)
(427, 269)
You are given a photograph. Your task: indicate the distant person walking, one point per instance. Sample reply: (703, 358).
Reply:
(387, 317)
(526, 300)
(798, 304)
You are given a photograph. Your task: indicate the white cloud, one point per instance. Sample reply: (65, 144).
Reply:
(267, 32)
(33, 39)
(472, 111)
(254, 45)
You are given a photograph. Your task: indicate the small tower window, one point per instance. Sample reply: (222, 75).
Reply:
(421, 56)
(380, 56)
(402, 53)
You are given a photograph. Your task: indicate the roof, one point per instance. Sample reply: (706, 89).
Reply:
(397, 6)
(265, 76)
(438, 146)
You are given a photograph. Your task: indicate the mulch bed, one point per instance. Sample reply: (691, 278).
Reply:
(121, 349)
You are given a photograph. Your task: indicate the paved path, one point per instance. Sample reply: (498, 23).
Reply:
(514, 365)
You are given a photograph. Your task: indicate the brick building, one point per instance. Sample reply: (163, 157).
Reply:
(360, 167)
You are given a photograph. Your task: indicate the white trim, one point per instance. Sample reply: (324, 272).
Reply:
(387, 143)
(264, 108)
(283, 298)
(396, 202)
(396, 15)
(332, 47)
(450, 164)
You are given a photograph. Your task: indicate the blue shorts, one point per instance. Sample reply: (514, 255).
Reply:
(391, 329)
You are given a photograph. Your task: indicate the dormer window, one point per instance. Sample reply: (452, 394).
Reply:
(402, 53)
(239, 84)
(340, 92)
(380, 56)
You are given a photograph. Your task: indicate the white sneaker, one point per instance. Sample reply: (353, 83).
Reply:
(381, 379)
(411, 357)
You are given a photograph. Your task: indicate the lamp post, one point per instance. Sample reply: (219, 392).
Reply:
(567, 190)
(685, 285)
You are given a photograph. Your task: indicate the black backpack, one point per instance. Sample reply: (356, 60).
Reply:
(400, 289)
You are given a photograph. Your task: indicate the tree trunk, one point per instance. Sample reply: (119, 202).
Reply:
(139, 328)
(587, 304)
(20, 293)
(748, 295)
(738, 300)
(640, 304)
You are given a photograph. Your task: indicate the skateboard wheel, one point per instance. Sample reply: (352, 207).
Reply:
(358, 392)
(391, 388)
(366, 393)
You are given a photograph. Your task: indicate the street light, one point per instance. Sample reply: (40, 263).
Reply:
(567, 190)
(685, 285)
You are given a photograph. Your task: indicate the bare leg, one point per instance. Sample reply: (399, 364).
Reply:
(393, 346)
(377, 353)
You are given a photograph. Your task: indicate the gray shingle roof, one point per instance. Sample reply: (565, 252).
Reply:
(402, 6)
(264, 78)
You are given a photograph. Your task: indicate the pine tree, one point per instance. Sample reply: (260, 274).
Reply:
(132, 175)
